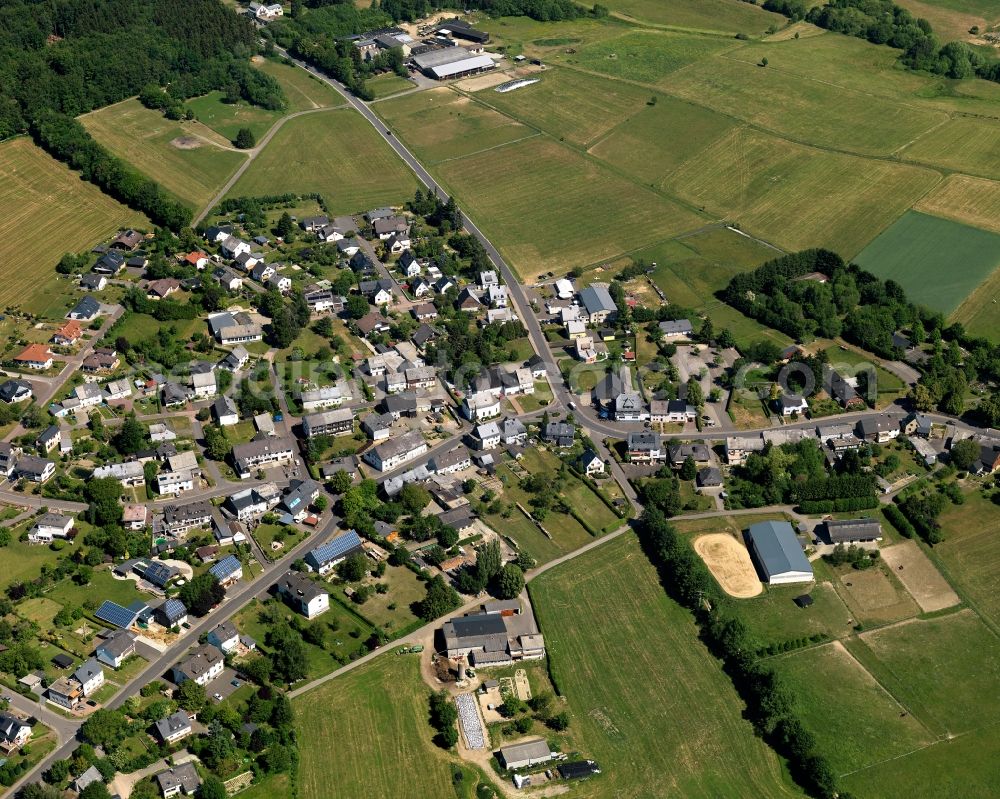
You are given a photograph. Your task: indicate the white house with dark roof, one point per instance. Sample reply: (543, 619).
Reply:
(114, 650)
(302, 594)
(225, 637)
(173, 727)
(90, 676)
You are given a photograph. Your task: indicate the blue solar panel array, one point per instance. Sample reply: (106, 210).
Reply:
(335, 549)
(173, 610)
(226, 567)
(115, 614)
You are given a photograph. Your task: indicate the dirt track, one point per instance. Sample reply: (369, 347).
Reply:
(730, 564)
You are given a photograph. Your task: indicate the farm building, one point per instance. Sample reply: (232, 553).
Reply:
(525, 753)
(778, 554)
(452, 62)
(853, 531)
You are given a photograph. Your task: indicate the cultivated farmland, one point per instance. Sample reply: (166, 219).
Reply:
(969, 144)
(855, 720)
(39, 194)
(440, 124)
(549, 209)
(366, 734)
(803, 109)
(763, 183)
(980, 311)
(571, 105)
(650, 145)
(659, 716)
(188, 159)
(937, 261)
(960, 198)
(335, 153)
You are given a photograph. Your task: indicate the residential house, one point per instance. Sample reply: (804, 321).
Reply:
(174, 727)
(90, 676)
(629, 407)
(303, 595)
(48, 440)
(179, 519)
(85, 310)
(487, 436)
(117, 389)
(225, 412)
(68, 334)
(513, 432)
(35, 356)
(644, 447)
(93, 282)
(203, 665)
(792, 405)
(235, 359)
(204, 384)
(130, 474)
(159, 432)
(110, 263)
(677, 328)
(103, 359)
(159, 289)
(268, 451)
(136, 517)
(280, 283)
(454, 460)
(320, 398)
(598, 304)
(184, 778)
(14, 391)
(559, 434)
(424, 312)
(387, 227)
(336, 422)
(377, 426)
(678, 453)
(227, 571)
(592, 464)
(396, 451)
(917, 424)
(880, 429)
(66, 693)
(843, 392)
(670, 411)
(34, 470)
(348, 247)
(468, 301)
(298, 497)
(324, 558)
(50, 526)
(709, 477)
(172, 483)
(480, 405)
(174, 395)
(116, 648)
(225, 637)
(14, 733)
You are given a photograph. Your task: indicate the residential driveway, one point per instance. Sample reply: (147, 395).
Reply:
(122, 784)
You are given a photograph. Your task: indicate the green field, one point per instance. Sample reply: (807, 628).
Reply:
(952, 19)
(193, 172)
(803, 109)
(387, 84)
(549, 209)
(650, 145)
(937, 261)
(335, 153)
(855, 721)
(649, 57)
(571, 105)
(965, 766)
(730, 16)
(762, 182)
(302, 90)
(960, 198)
(773, 617)
(22, 561)
(367, 734)
(968, 555)
(647, 700)
(38, 193)
(944, 670)
(226, 119)
(440, 124)
(966, 144)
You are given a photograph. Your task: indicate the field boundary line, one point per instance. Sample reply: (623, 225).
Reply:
(534, 135)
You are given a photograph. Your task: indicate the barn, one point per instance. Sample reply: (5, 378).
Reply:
(778, 554)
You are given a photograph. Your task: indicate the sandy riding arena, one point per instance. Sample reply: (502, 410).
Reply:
(919, 576)
(730, 564)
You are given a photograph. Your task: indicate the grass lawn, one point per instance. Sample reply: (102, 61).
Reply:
(649, 57)
(554, 208)
(268, 787)
(302, 90)
(693, 501)
(856, 722)
(968, 555)
(383, 702)
(335, 153)
(138, 326)
(743, 328)
(526, 535)
(22, 561)
(839, 201)
(389, 83)
(227, 119)
(38, 193)
(804, 109)
(774, 618)
(40, 610)
(404, 588)
(651, 144)
(265, 534)
(937, 261)
(441, 124)
(102, 586)
(570, 105)
(538, 400)
(943, 670)
(665, 714)
(193, 171)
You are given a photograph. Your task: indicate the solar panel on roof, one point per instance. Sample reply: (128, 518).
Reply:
(225, 567)
(115, 614)
(334, 549)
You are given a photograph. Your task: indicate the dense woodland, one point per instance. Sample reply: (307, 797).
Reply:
(868, 311)
(883, 22)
